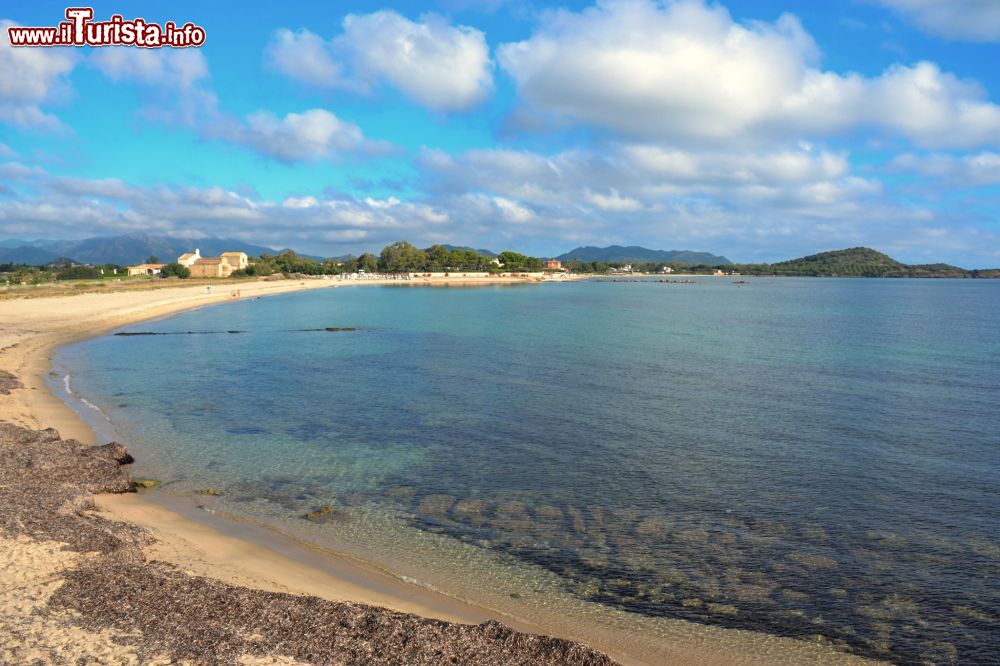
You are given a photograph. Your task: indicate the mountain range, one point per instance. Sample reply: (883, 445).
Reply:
(127, 249)
(136, 248)
(485, 253)
(633, 254)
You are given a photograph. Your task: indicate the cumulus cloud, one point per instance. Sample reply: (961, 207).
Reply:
(312, 135)
(18, 171)
(438, 65)
(178, 68)
(512, 211)
(612, 201)
(973, 170)
(634, 193)
(751, 206)
(75, 207)
(972, 20)
(175, 80)
(29, 79)
(305, 57)
(629, 178)
(178, 80)
(686, 72)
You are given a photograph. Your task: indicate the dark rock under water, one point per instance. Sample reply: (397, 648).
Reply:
(46, 494)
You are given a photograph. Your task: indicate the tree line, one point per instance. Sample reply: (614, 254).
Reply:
(30, 274)
(400, 257)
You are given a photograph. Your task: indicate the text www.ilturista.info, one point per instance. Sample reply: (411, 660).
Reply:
(80, 30)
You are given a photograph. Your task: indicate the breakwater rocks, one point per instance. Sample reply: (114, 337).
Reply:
(46, 495)
(139, 334)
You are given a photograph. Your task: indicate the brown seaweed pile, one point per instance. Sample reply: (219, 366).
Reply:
(8, 383)
(46, 493)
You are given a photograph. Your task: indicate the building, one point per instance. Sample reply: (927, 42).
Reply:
(144, 269)
(189, 258)
(208, 267)
(214, 267)
(238, 260)
(553, 265)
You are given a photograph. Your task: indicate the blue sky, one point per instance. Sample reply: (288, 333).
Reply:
(759, 130)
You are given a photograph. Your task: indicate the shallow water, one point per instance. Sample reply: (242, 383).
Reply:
(803, 457)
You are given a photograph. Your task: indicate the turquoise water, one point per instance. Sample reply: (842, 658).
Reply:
(801, 457)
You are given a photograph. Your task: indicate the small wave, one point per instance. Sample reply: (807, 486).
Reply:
(419, 583)
(70, 391)
(94, 407)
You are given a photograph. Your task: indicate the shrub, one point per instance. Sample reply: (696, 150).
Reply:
(174, 269)
(78, 273)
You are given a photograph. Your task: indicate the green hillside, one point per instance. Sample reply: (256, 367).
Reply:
(857, 262)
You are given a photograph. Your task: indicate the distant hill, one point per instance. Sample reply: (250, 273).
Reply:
(859, 262)
(127, 249)
(634, 254)
(485, 253)
(855, 256)
(11, 243)
(26, 255)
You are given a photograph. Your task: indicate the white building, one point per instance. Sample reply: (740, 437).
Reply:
(189, 258)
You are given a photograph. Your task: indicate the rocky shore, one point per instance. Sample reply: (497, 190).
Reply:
(80, 588)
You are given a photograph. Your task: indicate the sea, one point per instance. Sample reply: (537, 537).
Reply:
(801, 457)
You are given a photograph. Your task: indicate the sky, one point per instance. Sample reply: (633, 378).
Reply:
(761, 130)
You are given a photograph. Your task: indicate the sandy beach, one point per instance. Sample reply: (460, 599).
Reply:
(55, 611)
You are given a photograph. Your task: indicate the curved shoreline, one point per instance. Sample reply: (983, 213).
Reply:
(195, 546)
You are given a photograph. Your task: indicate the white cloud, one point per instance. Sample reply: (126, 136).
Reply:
(686, 72)
(303, 56)
(612, 202)
(311, 135)
(18, 171)
(438, 65)
(973, 20)
(79, 207)
(512, 211)
(781, 166)
(631, 177)
(646, 194)
(30, 78)
(920, 102)
(744, 207)
(176, 68)
(176, 81)
(971, 170)
(177, 78)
